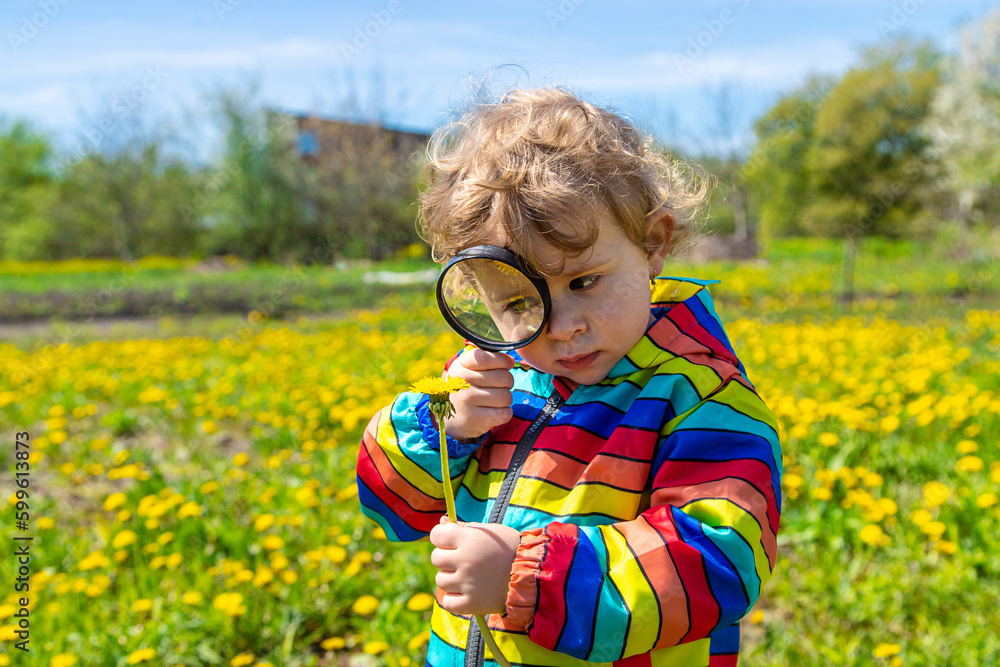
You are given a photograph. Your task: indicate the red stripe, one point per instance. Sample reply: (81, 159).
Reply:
(550, 615)
(677, 475)
(572, 440)
(742, 494)
(723, 660)
(420, 511)
(690, 566)
(641, 660)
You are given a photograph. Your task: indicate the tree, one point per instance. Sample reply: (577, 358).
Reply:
(257, 194)
(26, 191)
(777, 172)
(964, 124)
(868, 159)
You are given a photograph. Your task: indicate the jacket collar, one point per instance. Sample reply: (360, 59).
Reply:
(685, 323)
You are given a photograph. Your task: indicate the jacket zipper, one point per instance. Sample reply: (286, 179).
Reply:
(474, 647)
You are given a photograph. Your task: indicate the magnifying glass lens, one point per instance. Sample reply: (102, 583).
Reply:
(491, 302)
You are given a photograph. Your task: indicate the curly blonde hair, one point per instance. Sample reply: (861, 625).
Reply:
(543, 166)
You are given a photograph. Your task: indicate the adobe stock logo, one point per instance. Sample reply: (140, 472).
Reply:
(32, 25)
(363, 35)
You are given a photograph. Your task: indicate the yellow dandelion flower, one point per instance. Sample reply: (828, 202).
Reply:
(44, 523)
(123, 539)
(142, 604)
(189, 509)
(921, 517)
(114, 501)
(418, 640)
(420, 602)
(946, 547)
(438, 390)
(967, 447)
(822, 493)
(273, 543)
(242, 659)
(365, 605)
(192, 598)
(142, 655)
(263, 577)
(333, 643)
(376, 647)
(872, 534)
(986, 500)
(435, 386)
(230, 604)
(94, 560)
(289, 577)
(935, 494)
(63, 660)
(828, 439)
(889, 424)
(263, 522)
(969, 464)
(886, 650)
(240, 459)
(872, 480)
(757, 617)
(209, 427)
(934, 529)
(209, 487)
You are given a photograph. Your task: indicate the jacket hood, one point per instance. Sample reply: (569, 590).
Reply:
(685, 323)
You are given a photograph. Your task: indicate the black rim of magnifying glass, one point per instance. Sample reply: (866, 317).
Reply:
(507, 257)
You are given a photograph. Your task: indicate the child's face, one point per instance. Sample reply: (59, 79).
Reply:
(600, 308)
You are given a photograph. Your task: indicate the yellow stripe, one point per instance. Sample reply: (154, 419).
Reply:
(406, 468)
(704, 378)
(692, 654)
(628, 577)
(723, 513)
(742, 399)
(452, 629)
(518, 649)
(483, 487)
(667, 291)
(582, 499)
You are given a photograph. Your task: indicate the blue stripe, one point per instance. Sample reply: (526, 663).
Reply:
(373, 507)
(719, 446)
(726, 639)
(726, 584)
(583, 583)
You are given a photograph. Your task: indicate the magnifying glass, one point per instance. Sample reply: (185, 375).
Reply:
(488, 295)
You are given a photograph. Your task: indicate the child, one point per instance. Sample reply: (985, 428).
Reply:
(617, 480)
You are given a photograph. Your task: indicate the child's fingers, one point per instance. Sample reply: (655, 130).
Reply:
(500, 378)
(483, 397)
(483, 360)
(445, 535)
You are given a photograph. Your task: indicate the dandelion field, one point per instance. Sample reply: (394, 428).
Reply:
(192, 497)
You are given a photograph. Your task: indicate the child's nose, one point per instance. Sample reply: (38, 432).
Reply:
(565, 322)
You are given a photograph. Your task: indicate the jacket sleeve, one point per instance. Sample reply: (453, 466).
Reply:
(694, 562)
(399, 468)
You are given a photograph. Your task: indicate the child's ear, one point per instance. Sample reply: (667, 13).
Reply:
(660, 226)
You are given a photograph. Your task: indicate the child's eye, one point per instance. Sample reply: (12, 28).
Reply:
(521, 304)
(583, 282)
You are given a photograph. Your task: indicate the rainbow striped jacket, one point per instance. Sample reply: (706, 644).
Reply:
(648, 504)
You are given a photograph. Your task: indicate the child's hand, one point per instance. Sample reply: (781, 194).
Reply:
(473, 562)
(487, 401)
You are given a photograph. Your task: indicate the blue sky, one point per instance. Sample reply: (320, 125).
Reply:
(67, 64)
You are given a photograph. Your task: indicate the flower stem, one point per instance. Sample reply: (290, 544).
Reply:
(449, 501)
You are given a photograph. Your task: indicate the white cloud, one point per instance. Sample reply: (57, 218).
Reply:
(771, 67)
(279, 53)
